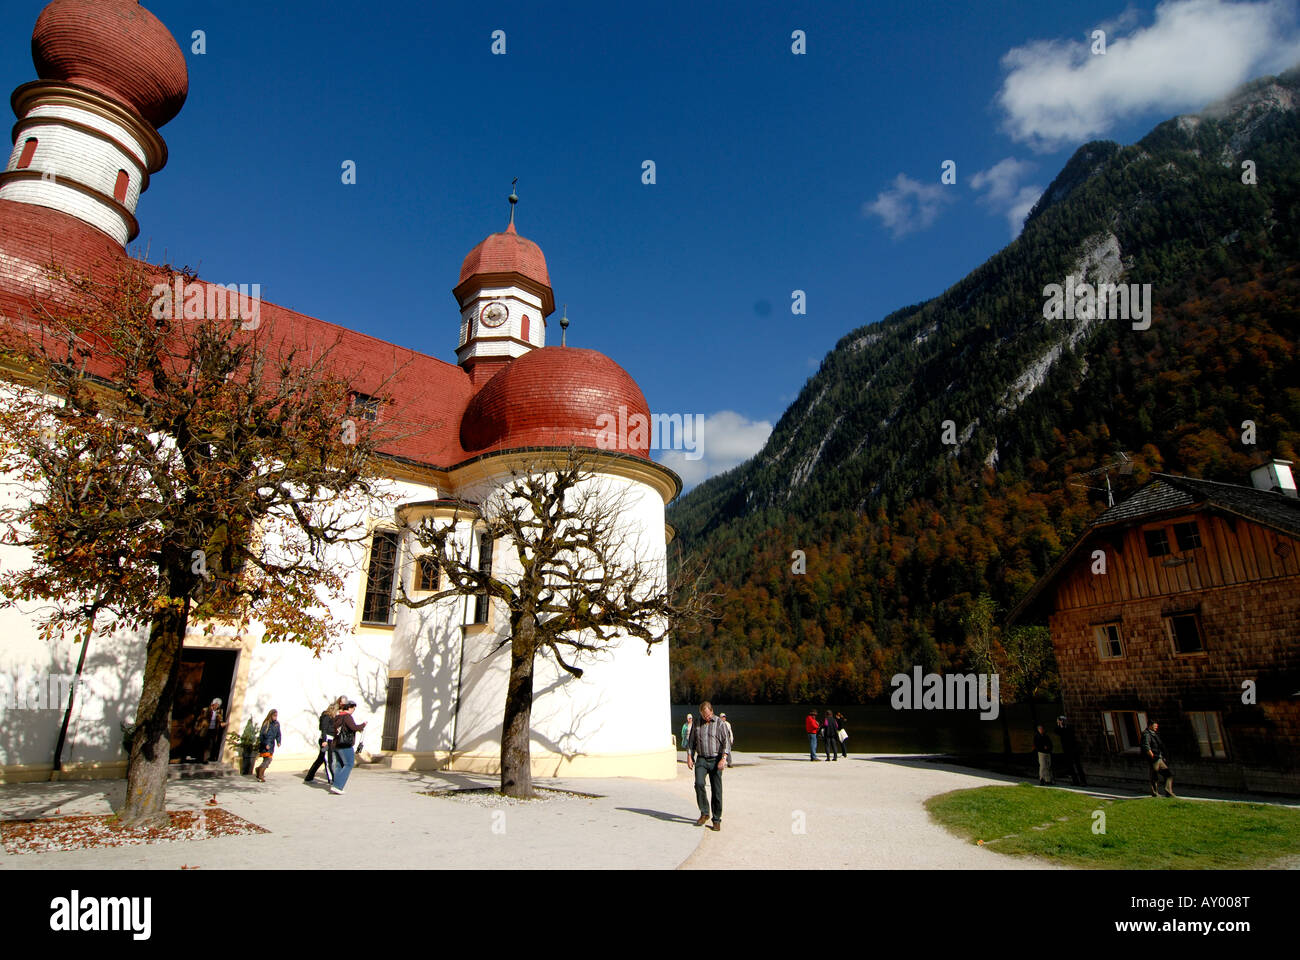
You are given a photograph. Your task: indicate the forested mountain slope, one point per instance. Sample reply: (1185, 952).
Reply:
(901, 530)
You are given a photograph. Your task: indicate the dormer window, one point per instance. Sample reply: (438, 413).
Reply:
(365, 407)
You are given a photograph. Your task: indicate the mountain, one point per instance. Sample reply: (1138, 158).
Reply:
(928, 460)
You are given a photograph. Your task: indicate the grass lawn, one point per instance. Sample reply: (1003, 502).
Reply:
(1144, 833)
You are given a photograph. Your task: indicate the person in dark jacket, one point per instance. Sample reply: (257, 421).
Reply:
(811, 727)
(1153, 751)
(1043, 744)
(326, 756)
(1070, 748)
(831, 730)
(268, 740)
(345, 738)
(842, 723)
(214, 731)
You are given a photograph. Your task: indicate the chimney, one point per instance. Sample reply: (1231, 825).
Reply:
(1275, 476)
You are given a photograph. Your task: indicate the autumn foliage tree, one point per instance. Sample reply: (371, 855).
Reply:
(580, 582)
(172, 472)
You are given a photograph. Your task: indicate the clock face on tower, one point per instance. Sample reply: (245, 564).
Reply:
(493, 314)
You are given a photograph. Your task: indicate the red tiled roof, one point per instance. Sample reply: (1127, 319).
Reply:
(507, 254)
(556, 397)
(114, 47)
(429, 394)
(550, 397)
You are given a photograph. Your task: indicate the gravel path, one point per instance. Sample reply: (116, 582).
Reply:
(855, 813)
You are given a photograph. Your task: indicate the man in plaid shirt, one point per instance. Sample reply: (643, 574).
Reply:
(706, 753)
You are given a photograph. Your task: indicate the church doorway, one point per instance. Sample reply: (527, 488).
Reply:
(205, 674)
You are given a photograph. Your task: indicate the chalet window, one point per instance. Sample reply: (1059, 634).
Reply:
(25, 159)
(1157, 542)
(378, 606)
(1185, 631)
(365, 407)
(1109, 644)
(482, 602)
(1209, 734)
(1188, 535)
(427, 575)
(1123, 730)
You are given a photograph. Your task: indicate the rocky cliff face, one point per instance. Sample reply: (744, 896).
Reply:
(1170, 211)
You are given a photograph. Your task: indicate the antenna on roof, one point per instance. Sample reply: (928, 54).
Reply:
(564, 324)
(1122, 464)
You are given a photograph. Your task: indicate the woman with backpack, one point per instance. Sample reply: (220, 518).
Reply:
(268, 740)
(345, 739)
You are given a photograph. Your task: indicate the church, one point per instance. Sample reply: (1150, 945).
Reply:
(431, 680)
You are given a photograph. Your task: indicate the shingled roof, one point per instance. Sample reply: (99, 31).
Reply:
(1168, 494)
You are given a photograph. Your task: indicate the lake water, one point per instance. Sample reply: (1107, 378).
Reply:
(878, 728)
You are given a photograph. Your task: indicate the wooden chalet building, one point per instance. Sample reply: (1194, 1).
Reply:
(1182, 604)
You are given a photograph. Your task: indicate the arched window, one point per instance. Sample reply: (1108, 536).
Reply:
(29, 148)
(119, 190)
(523, 335)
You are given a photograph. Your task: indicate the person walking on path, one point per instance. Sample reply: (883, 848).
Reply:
(1043, 744)
(1153, 749)
(214, 731)
(345, 737)
(1070, 748)
(811, 727)
(268, 741)
(831, 730)
(326, 757)
(706, 753)
(686, 731)
(843, 735)
(731, 737)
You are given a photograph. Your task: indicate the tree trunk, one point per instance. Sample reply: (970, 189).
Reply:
(146, 772)
(1006, 733)
(516, 761)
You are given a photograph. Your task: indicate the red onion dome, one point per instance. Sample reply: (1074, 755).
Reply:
(116, 48)
(559, 397)
(507, 253)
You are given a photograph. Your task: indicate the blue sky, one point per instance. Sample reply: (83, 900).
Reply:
(774, 171)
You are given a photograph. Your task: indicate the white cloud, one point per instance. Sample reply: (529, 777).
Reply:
(1058, 92)
(908, 205)
(1004, 193)
(728, 440)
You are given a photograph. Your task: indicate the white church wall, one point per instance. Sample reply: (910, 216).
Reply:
(618, 708)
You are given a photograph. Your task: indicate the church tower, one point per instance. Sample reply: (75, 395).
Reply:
(87, 138)
(505, 297)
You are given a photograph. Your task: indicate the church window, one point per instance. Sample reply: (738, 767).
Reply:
(380, 576)
(427, 574)
(119, 189)
(29, 148)
(523, 330)
(482, 602)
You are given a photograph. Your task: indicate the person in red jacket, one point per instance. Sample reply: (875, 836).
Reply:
(811, 726)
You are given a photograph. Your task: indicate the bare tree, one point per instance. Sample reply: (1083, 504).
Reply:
(172, 470)
(584, 580)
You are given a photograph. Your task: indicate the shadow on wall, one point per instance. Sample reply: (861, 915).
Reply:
(107, 696)
(578, 727)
